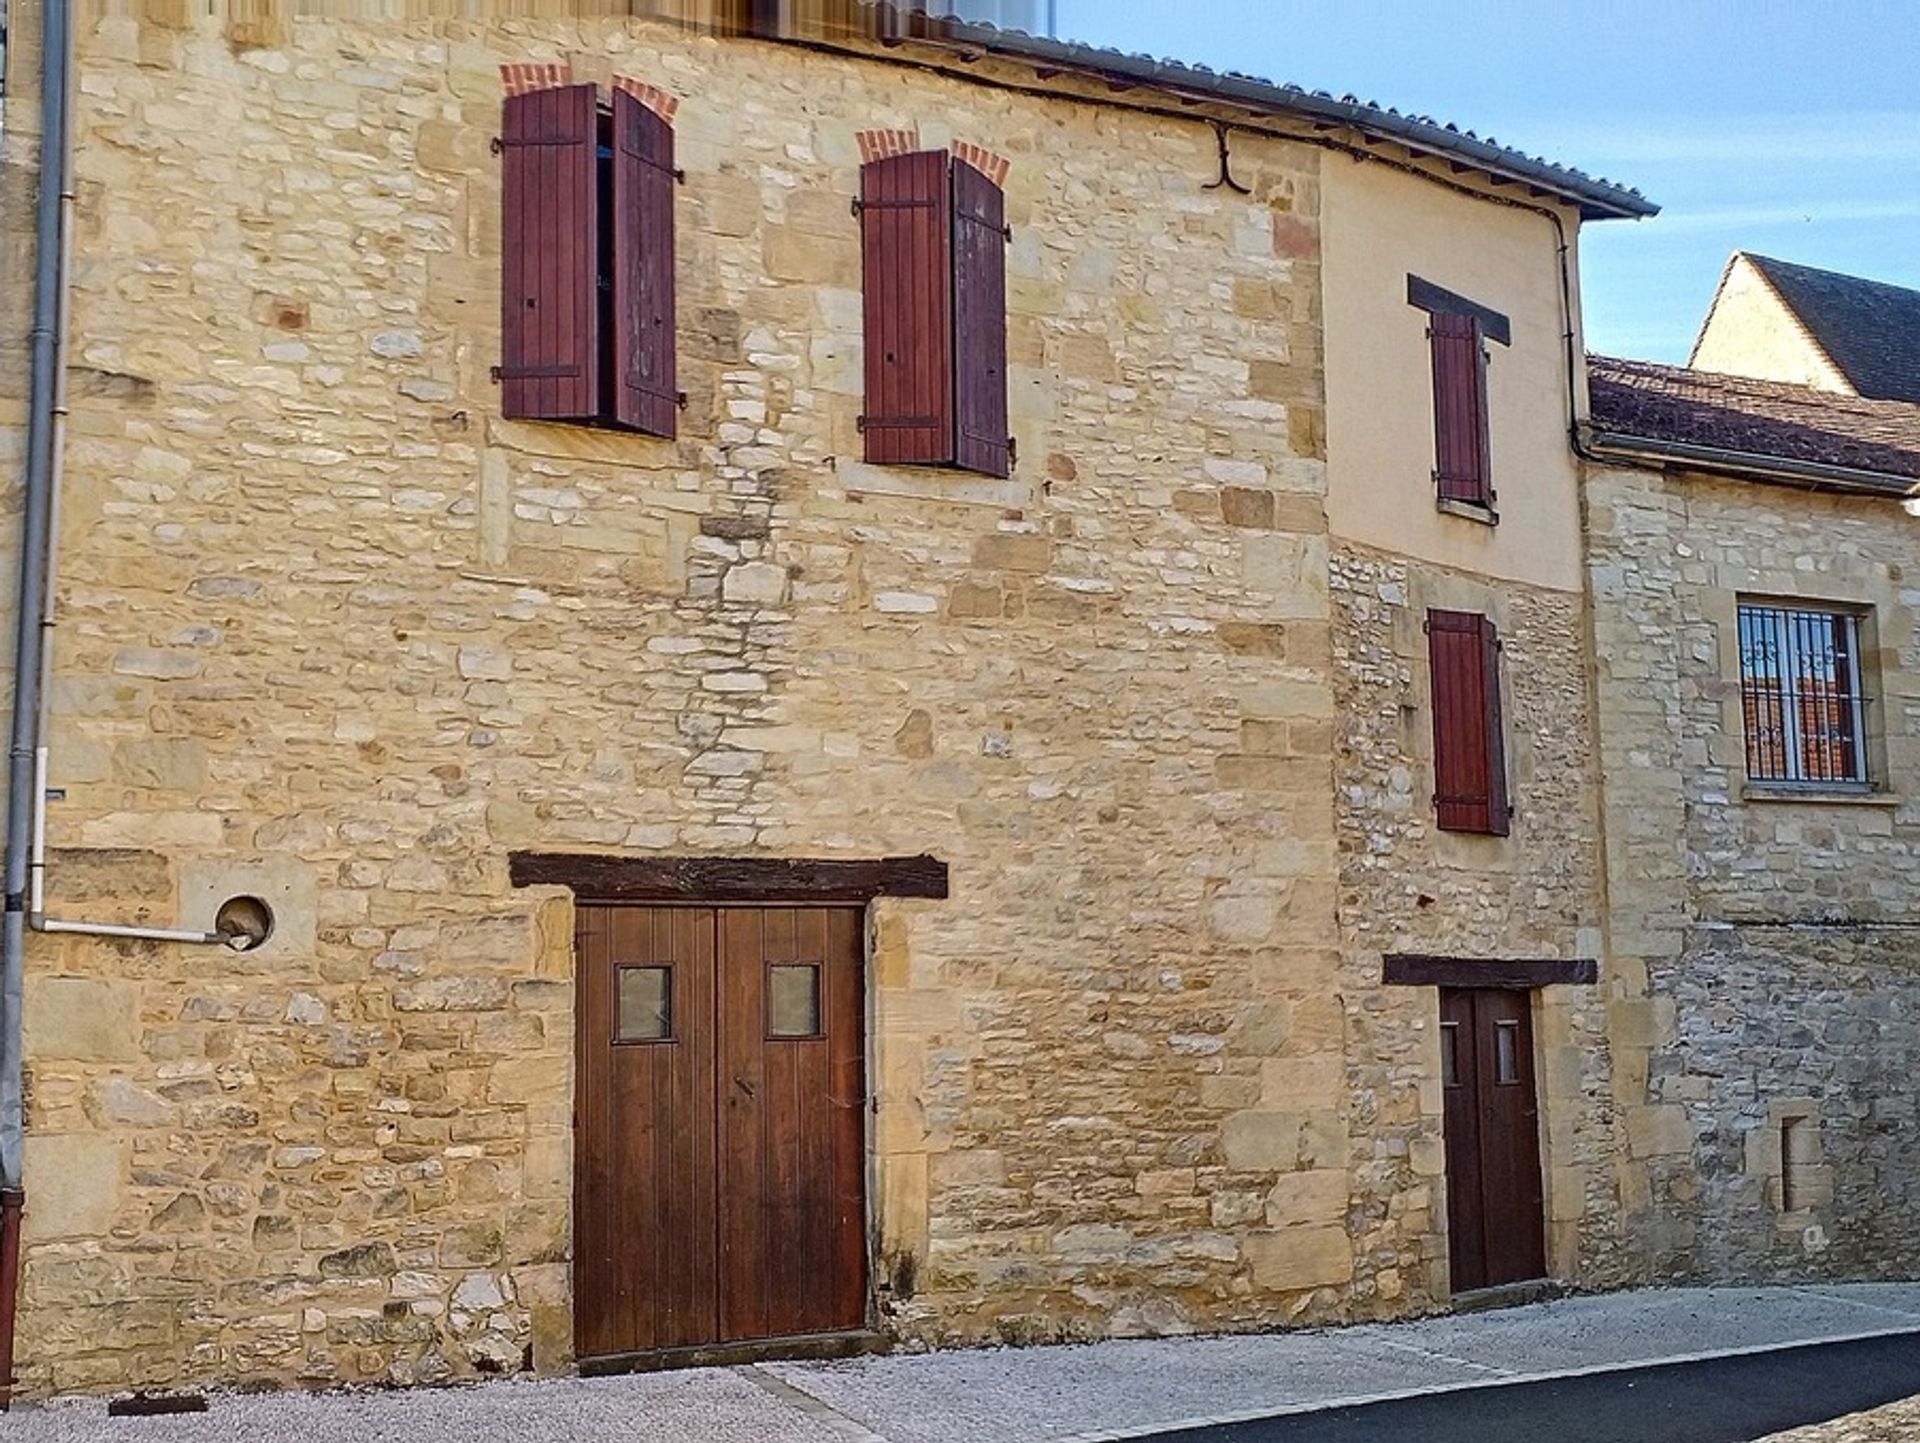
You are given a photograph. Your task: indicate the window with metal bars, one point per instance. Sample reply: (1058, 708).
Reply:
(1801, 695)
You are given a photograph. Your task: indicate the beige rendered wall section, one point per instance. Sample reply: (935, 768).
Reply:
(1750, 332)
(1381, 225)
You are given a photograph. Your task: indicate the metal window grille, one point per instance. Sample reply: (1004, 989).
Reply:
(1801, 695)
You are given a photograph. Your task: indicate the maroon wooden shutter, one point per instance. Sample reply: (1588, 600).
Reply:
(1469, 748)
(906, 255)
(549, 236)
(646, 393)
(1462, 465)
(981, 442)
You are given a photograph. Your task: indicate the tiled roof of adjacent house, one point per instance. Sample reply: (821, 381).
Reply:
(1869, 329)
(1596, 197)
(1672, 405)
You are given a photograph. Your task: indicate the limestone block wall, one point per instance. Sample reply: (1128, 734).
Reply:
(1406, 886)
(332, 629)
(1765, 989)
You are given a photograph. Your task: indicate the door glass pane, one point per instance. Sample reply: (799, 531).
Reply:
(1506, 1052)
(793, 1000)
(646, 1004)
(1449, 1054)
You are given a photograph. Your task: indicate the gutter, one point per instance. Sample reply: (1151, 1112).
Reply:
(29, 676)
(1618, 448)
(26, 820)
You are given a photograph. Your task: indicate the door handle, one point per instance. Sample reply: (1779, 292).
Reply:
(744, 1085)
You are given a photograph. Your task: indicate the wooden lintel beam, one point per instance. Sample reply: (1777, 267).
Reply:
(730, 879)
(1401, 969)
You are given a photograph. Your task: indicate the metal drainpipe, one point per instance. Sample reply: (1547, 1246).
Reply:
(28, 674)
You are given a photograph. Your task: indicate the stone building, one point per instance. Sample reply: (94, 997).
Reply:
(1758, 675)
(1776, 321)
(1033, 774)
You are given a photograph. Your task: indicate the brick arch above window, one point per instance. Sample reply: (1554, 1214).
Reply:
(523, 77)
(662, 103)
(993, 166)
(885, 144)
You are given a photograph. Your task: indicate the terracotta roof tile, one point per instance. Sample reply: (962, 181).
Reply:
(1651, 402)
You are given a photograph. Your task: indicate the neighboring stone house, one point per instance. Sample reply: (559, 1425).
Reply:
(1758, 671)
(971, 720)
(1775, 321)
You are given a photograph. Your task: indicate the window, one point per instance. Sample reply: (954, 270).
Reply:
(934, 262)
(1457, 334)
(586, 294)
(1469, 746)
(1801, 700)
(793, 1000)
(645, 1004)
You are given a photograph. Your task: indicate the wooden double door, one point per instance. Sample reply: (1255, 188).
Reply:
(1496, 1213)
(720, 1134)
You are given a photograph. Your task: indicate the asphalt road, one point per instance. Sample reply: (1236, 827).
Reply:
(1726, 1400)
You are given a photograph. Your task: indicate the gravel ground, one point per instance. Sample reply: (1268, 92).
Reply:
(1043, 1395)
(1899, 1423)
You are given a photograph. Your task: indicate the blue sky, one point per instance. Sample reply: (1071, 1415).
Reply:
(1787, 127)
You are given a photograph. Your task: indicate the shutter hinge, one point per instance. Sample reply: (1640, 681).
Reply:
(1426, 626)
(493, 374)
(680, 400)
(860, 421)
(496, 145)
(1013, 452)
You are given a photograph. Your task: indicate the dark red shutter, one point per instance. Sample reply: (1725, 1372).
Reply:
(549, 234)
(980, 323)
(1469, 746)
(906, 254)
(1462, 467)
(646, 392)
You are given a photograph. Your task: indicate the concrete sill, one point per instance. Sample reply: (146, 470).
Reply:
(1468, 511)
(1817, 797)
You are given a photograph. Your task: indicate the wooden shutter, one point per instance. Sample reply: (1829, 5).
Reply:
(549, 237)
(906, 254)
(1462, 464)
(981, 442)
(1469, 746)
(646, 392)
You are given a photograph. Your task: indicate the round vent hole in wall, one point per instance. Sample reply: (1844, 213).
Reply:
(245, 922)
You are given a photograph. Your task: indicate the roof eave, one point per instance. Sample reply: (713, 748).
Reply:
(1595, 199)
(1749, 465)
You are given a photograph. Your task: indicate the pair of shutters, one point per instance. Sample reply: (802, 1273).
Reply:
(587, 302)
(1469, 748)
(1463, 467)
(934, 258)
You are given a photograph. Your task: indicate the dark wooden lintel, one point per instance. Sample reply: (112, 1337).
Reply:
(1426, 296)
(1412, 970)
(729, 879)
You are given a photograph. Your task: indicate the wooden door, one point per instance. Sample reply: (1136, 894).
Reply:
(720, 1136)
(1496, 1213)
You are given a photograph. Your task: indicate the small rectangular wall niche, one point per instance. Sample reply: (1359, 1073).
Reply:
(1799, 1149)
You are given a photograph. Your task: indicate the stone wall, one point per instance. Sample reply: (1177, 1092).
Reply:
(333, 632)
(1766, 952)
(1407, 886)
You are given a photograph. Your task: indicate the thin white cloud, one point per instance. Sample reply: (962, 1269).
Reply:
(1826, 138)
(1679, 221)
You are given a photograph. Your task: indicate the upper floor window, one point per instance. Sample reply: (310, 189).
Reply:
(1802, 702)
(1458, 331)
(1469, 734)
(586, 240)
(934, 262)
